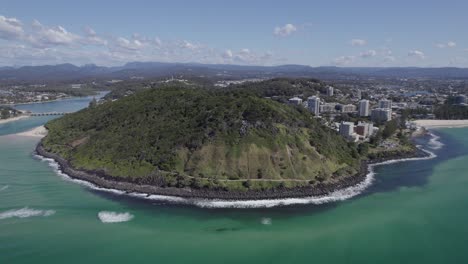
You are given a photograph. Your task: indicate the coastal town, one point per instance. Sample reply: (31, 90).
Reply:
(360, 114)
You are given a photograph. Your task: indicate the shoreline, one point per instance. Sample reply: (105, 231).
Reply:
(434, 123)
(349, 186)
(41, 102)
(37, 132)
(13, 119)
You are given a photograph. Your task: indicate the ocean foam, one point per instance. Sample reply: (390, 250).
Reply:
(434, 142)
(4, 188)
(25, 213)
(266, 221)
(113, 217)
(336, 196)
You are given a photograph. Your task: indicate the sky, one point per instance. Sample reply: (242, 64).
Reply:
(317, 33)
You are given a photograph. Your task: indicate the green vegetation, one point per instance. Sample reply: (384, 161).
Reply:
(448, 111)
(7, 112)
(180, 136)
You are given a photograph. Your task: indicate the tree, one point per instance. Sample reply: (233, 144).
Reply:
(390, 128)
(5, 113)
(93, 103)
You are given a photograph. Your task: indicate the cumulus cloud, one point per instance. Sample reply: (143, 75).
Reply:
(416, 54)
(188, 45)
(285, 30)
(10, 28)
(368, 54)
(92, 38)
(358, 42)
(449, 44)
(130, 45)
(38, 44)
(344, 60)
(227, 54)
(46, 36)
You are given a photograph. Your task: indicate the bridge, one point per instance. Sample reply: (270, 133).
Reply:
(48, 114)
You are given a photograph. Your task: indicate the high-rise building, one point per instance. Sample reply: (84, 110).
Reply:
(364, 108)
(313, 103)
(385, 104)
(364, 129)
(381, 115)
(346, 129)
(359, 94)
(330, 91)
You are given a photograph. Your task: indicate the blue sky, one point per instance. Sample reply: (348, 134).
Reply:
(316, 33)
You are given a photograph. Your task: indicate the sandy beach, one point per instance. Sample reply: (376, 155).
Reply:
(3, 121)
(441, 123)
(38, 132)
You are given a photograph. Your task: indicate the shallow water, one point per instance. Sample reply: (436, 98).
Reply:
(414, 212)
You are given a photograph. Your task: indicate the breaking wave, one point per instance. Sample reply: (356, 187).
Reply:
(4, 188)
(434, 142)
(25, 213)
(336, 196)
(266, 221)
(113, 217)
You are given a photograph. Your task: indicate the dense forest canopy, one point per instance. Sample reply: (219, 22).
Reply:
(203, 133)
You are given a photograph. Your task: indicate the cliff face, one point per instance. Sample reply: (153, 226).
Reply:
(180, 136)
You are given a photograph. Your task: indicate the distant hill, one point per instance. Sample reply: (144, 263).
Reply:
(178, 136)
(69, 72)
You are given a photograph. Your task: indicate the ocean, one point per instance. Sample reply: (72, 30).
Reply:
(411, 212)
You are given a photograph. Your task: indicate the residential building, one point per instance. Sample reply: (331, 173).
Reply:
(381, 115)
(346, 129)
(330, 91)
(313, 104)
(295, 101)
(349, 108)
(359, 94)
(364, 108)
(327, 108)
(385, 104)
(364, 129)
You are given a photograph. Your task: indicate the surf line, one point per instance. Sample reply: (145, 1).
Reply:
(336, 196)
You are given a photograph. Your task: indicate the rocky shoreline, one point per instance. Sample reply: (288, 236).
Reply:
(321, 189)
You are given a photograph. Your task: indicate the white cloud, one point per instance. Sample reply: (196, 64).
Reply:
(188, 45)
(368, 54)
(417, 54)
(227, 54)
(285, 30)
(10, 28)
(449, 44)
(38, 44)
(344, 60)
(92, 37)
(129, 45)
(46, 36)
(358, 42)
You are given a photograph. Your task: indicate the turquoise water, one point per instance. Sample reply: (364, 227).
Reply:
(415, 212)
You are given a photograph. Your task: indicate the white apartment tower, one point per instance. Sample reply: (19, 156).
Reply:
(313, 103)
(364, 108)
(330, 91)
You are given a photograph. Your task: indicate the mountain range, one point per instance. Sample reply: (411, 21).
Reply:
(69, 72)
